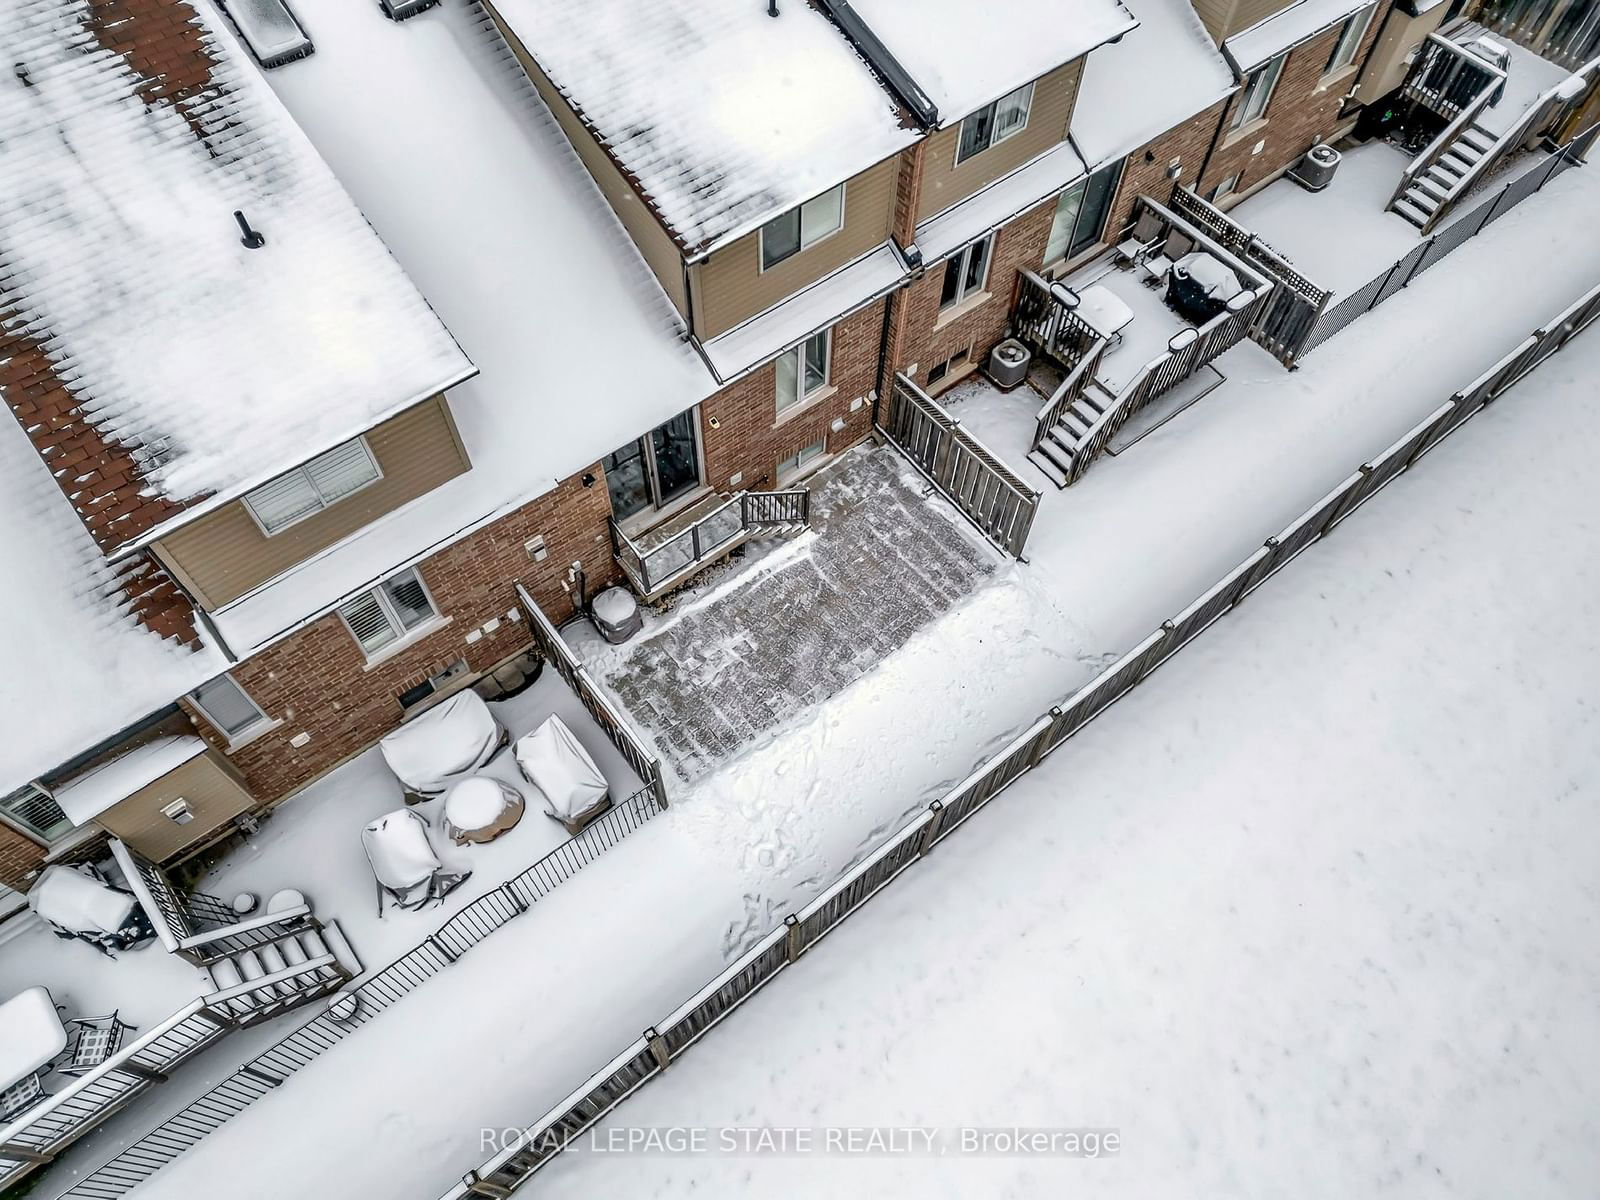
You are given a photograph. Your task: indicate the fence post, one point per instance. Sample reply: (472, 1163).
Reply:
(258, 1074)
(1351, 498)
(478, 1186)
(445, 952)
(517, 901)
(658, 1048)
(930, 834)
(1047, 737)
(792, 939)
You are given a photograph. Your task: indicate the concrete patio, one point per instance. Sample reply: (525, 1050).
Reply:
(789, 623)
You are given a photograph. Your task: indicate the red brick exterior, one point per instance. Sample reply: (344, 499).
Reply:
(1301, 112)
(1017, 245)
(19, 858)
(1146, 171)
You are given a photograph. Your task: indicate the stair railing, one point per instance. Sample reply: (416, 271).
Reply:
(1072, 387)
(1441, 145)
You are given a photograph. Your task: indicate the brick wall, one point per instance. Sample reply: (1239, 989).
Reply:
(1146, 170)
(1300, 114)
(18, 857)
(752, 439)
(925, 342)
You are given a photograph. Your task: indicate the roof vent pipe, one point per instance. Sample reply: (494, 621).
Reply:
(251, 239)
(772, 8)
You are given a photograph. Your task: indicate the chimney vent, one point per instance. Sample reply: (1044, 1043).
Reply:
(772, 8)
(251, 239)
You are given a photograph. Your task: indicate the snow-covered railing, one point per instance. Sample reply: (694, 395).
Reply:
(1042, 321)
(972, 477)
(1447, 78)
(1066, 394)
(1441, 145)
(369, 997)
(652, 1052)
(658, 569)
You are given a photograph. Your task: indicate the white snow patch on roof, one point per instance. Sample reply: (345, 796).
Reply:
(1120, 105)
(499, 222)
(79, 666)
(725, 116)
(219, 366)
(965, 54)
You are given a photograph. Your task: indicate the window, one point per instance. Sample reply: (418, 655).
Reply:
(966, 272)
(1080, 214)
(790, 466)
(1257, 92)
(994, 123)
(1344, 50)
(227, 706)
(389, 611)
(291, 498)
(32, 810)
(804, 369)
(939, 370)
(802, 227)
(1226, 187)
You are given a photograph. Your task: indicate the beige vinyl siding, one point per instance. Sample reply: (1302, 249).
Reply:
(1224, 18)
(1215, 15)
(1386, 66)
(730, 286)
(224, 554)
(649, 235)
(944, 183)
(214, 794)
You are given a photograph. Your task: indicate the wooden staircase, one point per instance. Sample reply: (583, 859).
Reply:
(258, 982)
(1430, 189)
(1055, 453)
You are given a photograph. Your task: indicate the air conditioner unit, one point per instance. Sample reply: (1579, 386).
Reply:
(1008, 363)
(1315, 169)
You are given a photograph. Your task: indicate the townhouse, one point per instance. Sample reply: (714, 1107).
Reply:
(551, 277)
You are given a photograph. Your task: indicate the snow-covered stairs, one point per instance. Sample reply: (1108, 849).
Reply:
(265, 980)
(1055, 454)
(1434, 186)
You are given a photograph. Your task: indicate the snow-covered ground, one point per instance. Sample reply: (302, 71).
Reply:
(1313, 912)
(554, 995)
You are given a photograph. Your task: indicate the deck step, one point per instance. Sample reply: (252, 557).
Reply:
(1052, 467)
(1479, 138)
(1411, 213)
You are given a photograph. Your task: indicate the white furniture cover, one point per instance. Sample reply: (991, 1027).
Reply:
(556, 763)
(31, 1034)
(446, 743)
(397, 847)
(71, 900)
(1215, 277)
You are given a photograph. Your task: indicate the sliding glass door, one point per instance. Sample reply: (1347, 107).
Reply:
(655, 470)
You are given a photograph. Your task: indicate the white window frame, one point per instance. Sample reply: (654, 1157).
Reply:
(244, 731)
(402, 635)
(324, 502)
(801, 462)
(1226, 187)
(801, 394)
(1351, 32)
(802, 246)
(993, 111)
(964, 256)
(1262, 81)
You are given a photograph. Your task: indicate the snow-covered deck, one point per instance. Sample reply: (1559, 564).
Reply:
(312, 843)
(1144, 337)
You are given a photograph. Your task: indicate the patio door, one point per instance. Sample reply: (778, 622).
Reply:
(650, 473)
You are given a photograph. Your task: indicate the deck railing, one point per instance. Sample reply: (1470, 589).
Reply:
(650, 1054)
(1446, 78)
(618, 730)
(1066, 394)
(1041, 320)
(655, 570)
(1441, 145)
(986, 491)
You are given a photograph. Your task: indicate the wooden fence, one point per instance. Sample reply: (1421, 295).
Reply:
(612, 723)
(971, 476)
(785, 945)
(268, 1070)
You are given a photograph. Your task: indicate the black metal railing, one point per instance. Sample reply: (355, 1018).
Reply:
(658, 568)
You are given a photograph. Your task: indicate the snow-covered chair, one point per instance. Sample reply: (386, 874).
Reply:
(404, 865)
(555, 762)
(447, 743)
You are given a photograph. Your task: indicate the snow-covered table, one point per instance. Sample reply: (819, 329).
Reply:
(1101, 308)
(31, 1034)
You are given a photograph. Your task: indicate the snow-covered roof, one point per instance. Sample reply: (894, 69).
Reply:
(193, 367)
(965, 54)
(722, 115)
(1118, 109)
(79, 665)
(995, 205)
(1287, 29)
(86, 797)
(501, 226)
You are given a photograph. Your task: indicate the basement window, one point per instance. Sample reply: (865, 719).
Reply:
(271, 30)
(802, 227)
(791, 466)
(35, 812)
(396, 607)
(306, 491)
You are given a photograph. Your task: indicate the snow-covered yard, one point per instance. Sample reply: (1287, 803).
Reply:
(1311, 913)
(531, 1013)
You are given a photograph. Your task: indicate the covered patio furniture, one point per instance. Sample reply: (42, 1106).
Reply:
(77, 904)
(555, 762)
(31, 1035)
(404, 865)
(1200, 286)
(480, 809)
(1104, 312)
(448, 742)
(94, 1040)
